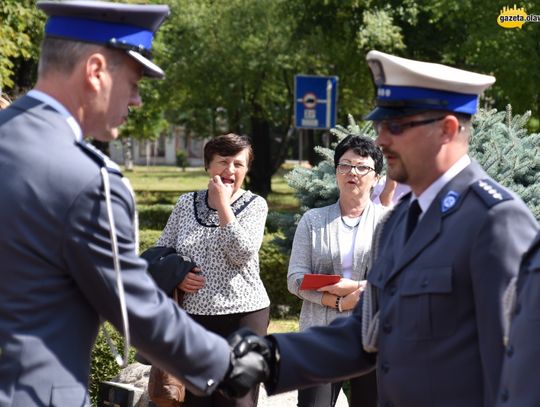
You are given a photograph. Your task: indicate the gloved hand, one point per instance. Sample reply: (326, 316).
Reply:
(252, 361)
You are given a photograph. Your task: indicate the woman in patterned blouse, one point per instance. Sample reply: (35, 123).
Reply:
(221, 229)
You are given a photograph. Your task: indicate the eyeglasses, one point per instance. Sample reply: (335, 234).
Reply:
(343, 168)
(397, 129)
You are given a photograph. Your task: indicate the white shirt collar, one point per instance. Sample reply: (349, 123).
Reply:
(56, 105)
(426, 198)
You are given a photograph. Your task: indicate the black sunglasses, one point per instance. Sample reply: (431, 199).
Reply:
(397, 129)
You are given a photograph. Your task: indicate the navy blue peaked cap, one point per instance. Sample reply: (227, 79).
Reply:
(128, 27)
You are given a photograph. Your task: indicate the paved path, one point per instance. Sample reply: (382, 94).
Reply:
(289, 399)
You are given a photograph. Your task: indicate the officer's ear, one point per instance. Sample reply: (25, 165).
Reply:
(96, 70)
(450, 128)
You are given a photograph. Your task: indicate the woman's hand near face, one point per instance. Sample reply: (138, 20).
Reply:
(193, 281)
(219, 198)
(219, 194)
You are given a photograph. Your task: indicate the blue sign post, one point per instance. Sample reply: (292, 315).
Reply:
(315, 104)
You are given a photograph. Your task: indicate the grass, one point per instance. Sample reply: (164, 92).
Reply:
(283, 325)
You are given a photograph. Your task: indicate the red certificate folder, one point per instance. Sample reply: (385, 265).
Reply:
(315, 281)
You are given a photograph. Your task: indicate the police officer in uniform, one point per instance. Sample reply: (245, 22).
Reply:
(68, 246)
(521, 365)
(431, 317)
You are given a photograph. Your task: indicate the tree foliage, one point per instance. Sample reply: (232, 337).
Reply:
(240, 57)
(21, 26)
(233, 63)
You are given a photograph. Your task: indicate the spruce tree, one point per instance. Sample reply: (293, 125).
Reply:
(500, 142)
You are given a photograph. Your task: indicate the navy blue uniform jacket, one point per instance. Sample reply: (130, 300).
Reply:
(58, 277)
(440, 334)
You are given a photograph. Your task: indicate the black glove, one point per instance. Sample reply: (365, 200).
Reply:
(252, 360)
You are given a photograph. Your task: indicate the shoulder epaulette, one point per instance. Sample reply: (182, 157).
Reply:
(490, 192)
(101, 159)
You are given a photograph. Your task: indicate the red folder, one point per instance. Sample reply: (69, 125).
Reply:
(315, 281)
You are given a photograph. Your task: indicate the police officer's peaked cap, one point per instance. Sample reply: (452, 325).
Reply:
(406, 87)
(127, 27)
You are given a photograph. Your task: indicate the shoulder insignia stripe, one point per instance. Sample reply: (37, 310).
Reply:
(490, 192)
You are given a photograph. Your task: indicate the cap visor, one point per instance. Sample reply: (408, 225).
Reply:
(150, 69)
(387, 113)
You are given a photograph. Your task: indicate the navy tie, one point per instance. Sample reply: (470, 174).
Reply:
(412, 218)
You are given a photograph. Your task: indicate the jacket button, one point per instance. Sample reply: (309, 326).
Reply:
(510, 351)
(385, 367)
(505, 395)
(210, 382)
(387, 327)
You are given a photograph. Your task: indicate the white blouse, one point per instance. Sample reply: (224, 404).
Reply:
(228, 256)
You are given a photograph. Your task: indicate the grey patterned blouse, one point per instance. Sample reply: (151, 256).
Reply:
(228, 256)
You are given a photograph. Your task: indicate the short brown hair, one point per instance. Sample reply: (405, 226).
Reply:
(226, 146)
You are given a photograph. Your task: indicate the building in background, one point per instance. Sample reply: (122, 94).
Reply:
(161, 151)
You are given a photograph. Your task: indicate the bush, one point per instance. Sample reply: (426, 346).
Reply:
(148, 238)
(154, 216)
(274, 264)
(182, 159)
(103, 366)
(156, 197)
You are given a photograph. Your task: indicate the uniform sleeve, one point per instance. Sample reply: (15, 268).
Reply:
(301, 260)
(242, 238)
(159, 329)
(304, 355)
(505, 235)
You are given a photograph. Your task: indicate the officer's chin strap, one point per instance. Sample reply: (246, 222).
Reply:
(122, 362)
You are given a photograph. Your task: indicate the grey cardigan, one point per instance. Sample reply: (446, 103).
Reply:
(315, 250)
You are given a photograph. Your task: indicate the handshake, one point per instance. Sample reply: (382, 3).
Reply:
(253, 360)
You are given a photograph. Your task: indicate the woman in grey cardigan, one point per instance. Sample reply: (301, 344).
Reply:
(336, 239)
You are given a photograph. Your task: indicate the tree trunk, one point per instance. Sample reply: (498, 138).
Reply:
(260, 175)
(314, 138)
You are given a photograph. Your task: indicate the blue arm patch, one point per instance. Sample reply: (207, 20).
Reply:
(490, 192)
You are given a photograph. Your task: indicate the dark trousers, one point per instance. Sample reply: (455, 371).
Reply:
(363, 393)
(224, 325)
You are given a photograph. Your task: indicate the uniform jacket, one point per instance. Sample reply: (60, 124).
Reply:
(440, 334)
(521, 366)
(58, 276)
